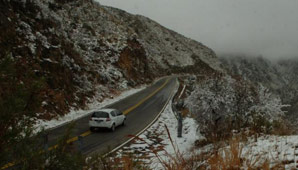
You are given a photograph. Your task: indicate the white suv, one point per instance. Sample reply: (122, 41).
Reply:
(106, 118)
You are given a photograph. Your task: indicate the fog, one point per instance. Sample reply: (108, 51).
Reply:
(252, 27)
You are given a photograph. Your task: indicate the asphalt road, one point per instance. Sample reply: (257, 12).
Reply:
(140, 109)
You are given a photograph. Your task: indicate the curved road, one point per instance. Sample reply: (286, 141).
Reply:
(140, 109)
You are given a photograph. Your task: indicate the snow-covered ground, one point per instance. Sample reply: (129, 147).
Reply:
(156, 139)
(275, 149)
(76, 114)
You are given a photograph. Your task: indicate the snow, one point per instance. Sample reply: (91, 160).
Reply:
(216, 100)
(269, 104)
(275, 149)
(76, 114)
(95, 37)
(165, 47)
(44, 103)
(156, 137)
(49, 60)
(182, 91)
(25, 29)
(189, 134)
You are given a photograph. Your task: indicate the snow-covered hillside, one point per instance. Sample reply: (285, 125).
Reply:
(279, 76)
(164, 46)
(76, 49)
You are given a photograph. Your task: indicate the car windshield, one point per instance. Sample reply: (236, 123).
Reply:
(119, 113)
(100, 115)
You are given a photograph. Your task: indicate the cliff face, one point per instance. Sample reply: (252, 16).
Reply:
(64, 52)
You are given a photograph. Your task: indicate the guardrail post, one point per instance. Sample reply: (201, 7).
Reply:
(179, 124)
(179, 106)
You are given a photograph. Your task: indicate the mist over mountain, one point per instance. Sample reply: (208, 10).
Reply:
(68, 53)
(277, 75)
(76, 51)
(267, 27)
(62, 60)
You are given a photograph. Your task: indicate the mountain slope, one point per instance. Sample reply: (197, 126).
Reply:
(74, 49)
(279, 76)
(166, 47)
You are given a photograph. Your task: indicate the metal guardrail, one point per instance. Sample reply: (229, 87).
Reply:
(176, 108)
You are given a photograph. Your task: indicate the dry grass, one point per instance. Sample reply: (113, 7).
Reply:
(231, 157)
(223, 156)
(228, 158)
(177, 160)
(282, 128)
(114, 163)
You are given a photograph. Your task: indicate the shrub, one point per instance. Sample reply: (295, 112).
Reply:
(223, 104)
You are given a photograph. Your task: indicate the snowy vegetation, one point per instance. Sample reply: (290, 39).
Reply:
(224, 104)
(58, 55)
(82, 49)
(278, 76)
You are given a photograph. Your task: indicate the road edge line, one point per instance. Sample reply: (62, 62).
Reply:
(75, 138)
(74, 120)
(149, 125)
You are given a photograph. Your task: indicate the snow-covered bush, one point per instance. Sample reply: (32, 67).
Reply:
(268, 103)
(223, 103)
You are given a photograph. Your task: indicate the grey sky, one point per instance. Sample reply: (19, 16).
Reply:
(253, 27)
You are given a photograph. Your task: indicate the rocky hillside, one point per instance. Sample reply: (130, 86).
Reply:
(59, 54)
(279, 76)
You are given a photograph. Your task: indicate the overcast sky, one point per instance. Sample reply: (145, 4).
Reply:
(252, 27)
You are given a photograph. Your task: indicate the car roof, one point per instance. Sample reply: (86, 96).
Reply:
(107, 110)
